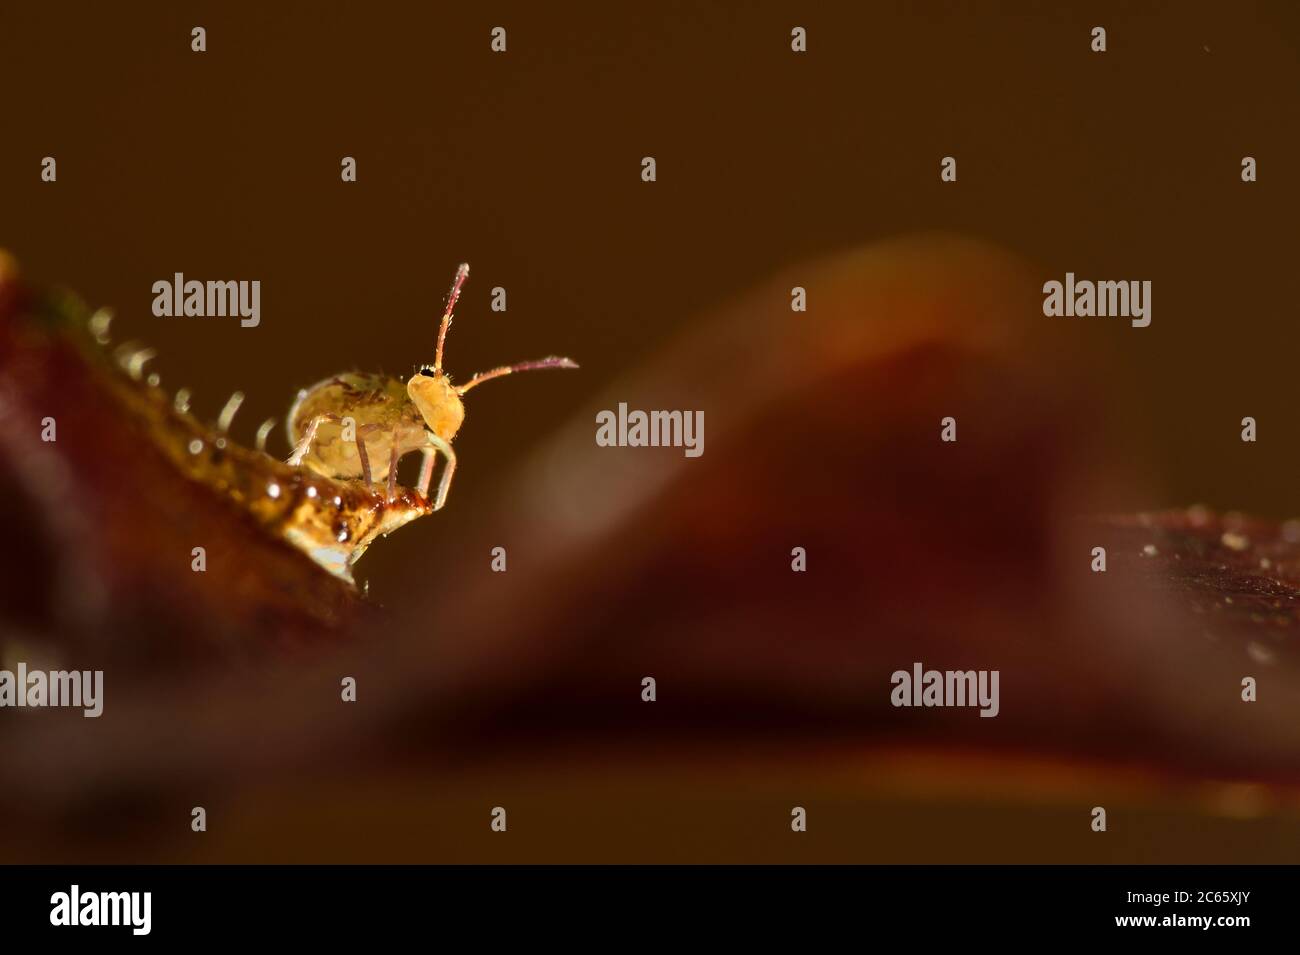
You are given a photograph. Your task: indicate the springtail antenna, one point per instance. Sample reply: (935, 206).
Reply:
(462, 274)
(551, 362)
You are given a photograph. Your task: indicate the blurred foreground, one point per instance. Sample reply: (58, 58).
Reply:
(523, 689)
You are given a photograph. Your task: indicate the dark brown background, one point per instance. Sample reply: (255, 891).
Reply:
(225, 165)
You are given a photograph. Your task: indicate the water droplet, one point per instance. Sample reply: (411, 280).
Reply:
(99, 325)
(1260, 653)
(1234, 541)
